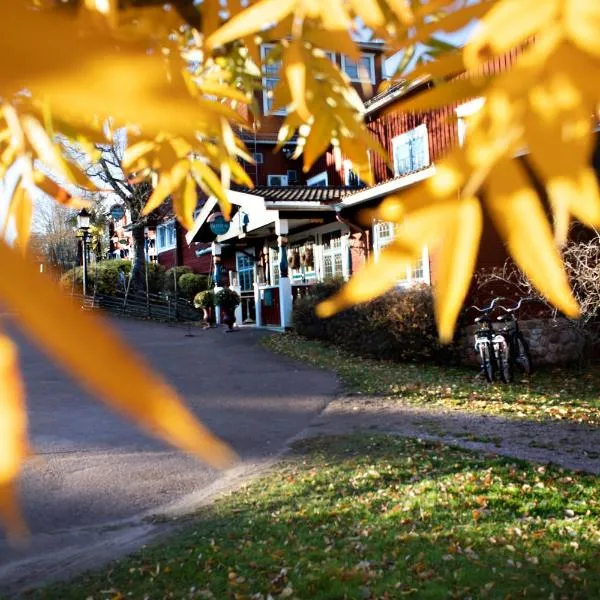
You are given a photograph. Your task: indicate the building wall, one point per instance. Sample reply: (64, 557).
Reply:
(276, 163)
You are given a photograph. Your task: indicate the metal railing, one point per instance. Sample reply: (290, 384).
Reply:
(140, 305)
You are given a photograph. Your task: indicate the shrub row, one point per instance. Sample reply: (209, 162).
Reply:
(104, 276)
(399, 326)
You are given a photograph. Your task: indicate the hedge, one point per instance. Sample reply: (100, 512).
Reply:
(399, 326)
(104, 277)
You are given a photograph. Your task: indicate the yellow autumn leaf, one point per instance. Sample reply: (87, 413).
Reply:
(294, 67)
(582, 24)
(209, 181)
(251, 20)
(519, 217)
(133, 389)
(185, 203)
(133, 153)
(167, 185)
(508, 24)
(455, 262)
(13, 437)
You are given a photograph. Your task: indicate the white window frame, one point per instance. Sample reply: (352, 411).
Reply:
(322, 176)
(284, 177)
(419, 132)
(408, 280)
(245, 255)
(359, 79)
(321, 253)
(264, 52)
(171, 238)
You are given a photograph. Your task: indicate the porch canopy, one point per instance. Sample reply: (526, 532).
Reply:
(257, 211)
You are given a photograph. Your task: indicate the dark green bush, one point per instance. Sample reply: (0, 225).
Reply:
(399, 326)
(227, 299)
(190, 284)
(170, 276)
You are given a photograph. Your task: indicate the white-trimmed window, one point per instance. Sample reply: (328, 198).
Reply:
(271, 77)
(351, 177)
(362, 70)
(319, 180)
(275, 266)
(277, 180)
(411, 150)
(333, 254)
(383, 234)
(245, 270)
(166, 236)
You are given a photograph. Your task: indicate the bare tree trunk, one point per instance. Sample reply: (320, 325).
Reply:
(139, 258)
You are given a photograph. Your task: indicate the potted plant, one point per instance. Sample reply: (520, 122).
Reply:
(228, 300)
(205, 301)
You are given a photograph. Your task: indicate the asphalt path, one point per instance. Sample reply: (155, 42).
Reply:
(97, 478)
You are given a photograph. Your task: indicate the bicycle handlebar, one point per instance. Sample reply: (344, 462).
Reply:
(488, 308)
(515, 308)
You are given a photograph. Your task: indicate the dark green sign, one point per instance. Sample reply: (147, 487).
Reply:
(117, 212)
(218, 224)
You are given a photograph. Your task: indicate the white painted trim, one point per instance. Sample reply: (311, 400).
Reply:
(317, 179)
(463, 112)
(371, 58)
(388, 187)
(469, 108)
(312, 204)
(201, 219)
(388, 98)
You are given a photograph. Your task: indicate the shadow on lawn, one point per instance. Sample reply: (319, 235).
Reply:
(380, 517)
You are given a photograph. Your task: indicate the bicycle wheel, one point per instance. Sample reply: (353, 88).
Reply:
(523, 356)
(504, 361)
(487, 363)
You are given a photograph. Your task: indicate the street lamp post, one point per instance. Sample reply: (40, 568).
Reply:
(83, 225)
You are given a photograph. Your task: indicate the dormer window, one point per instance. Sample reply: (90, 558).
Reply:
(361, 71)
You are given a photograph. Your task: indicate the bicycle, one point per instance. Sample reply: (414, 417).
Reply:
(509, 345)
(484, 340)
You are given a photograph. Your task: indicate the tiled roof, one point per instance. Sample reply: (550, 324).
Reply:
(300, 193)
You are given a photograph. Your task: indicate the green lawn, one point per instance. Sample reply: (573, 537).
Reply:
(563, 394)
(381, 517)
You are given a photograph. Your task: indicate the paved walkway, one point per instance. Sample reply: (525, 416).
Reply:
(98, 475)
(569, 445)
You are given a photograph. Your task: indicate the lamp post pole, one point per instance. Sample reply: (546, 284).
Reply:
(83, 223)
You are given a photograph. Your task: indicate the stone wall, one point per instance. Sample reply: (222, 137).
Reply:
(551, 342)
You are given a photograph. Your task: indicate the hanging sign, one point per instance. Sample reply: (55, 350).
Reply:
(217, 223)
(117, 212)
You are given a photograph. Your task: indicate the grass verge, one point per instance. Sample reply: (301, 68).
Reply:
(552, 393)
(377, 517)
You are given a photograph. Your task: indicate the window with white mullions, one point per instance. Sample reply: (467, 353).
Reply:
(166, 236)
(275, 274)
(245, 269)
(362, 70)
(411, 151)
(383, 234)
(333, 263)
